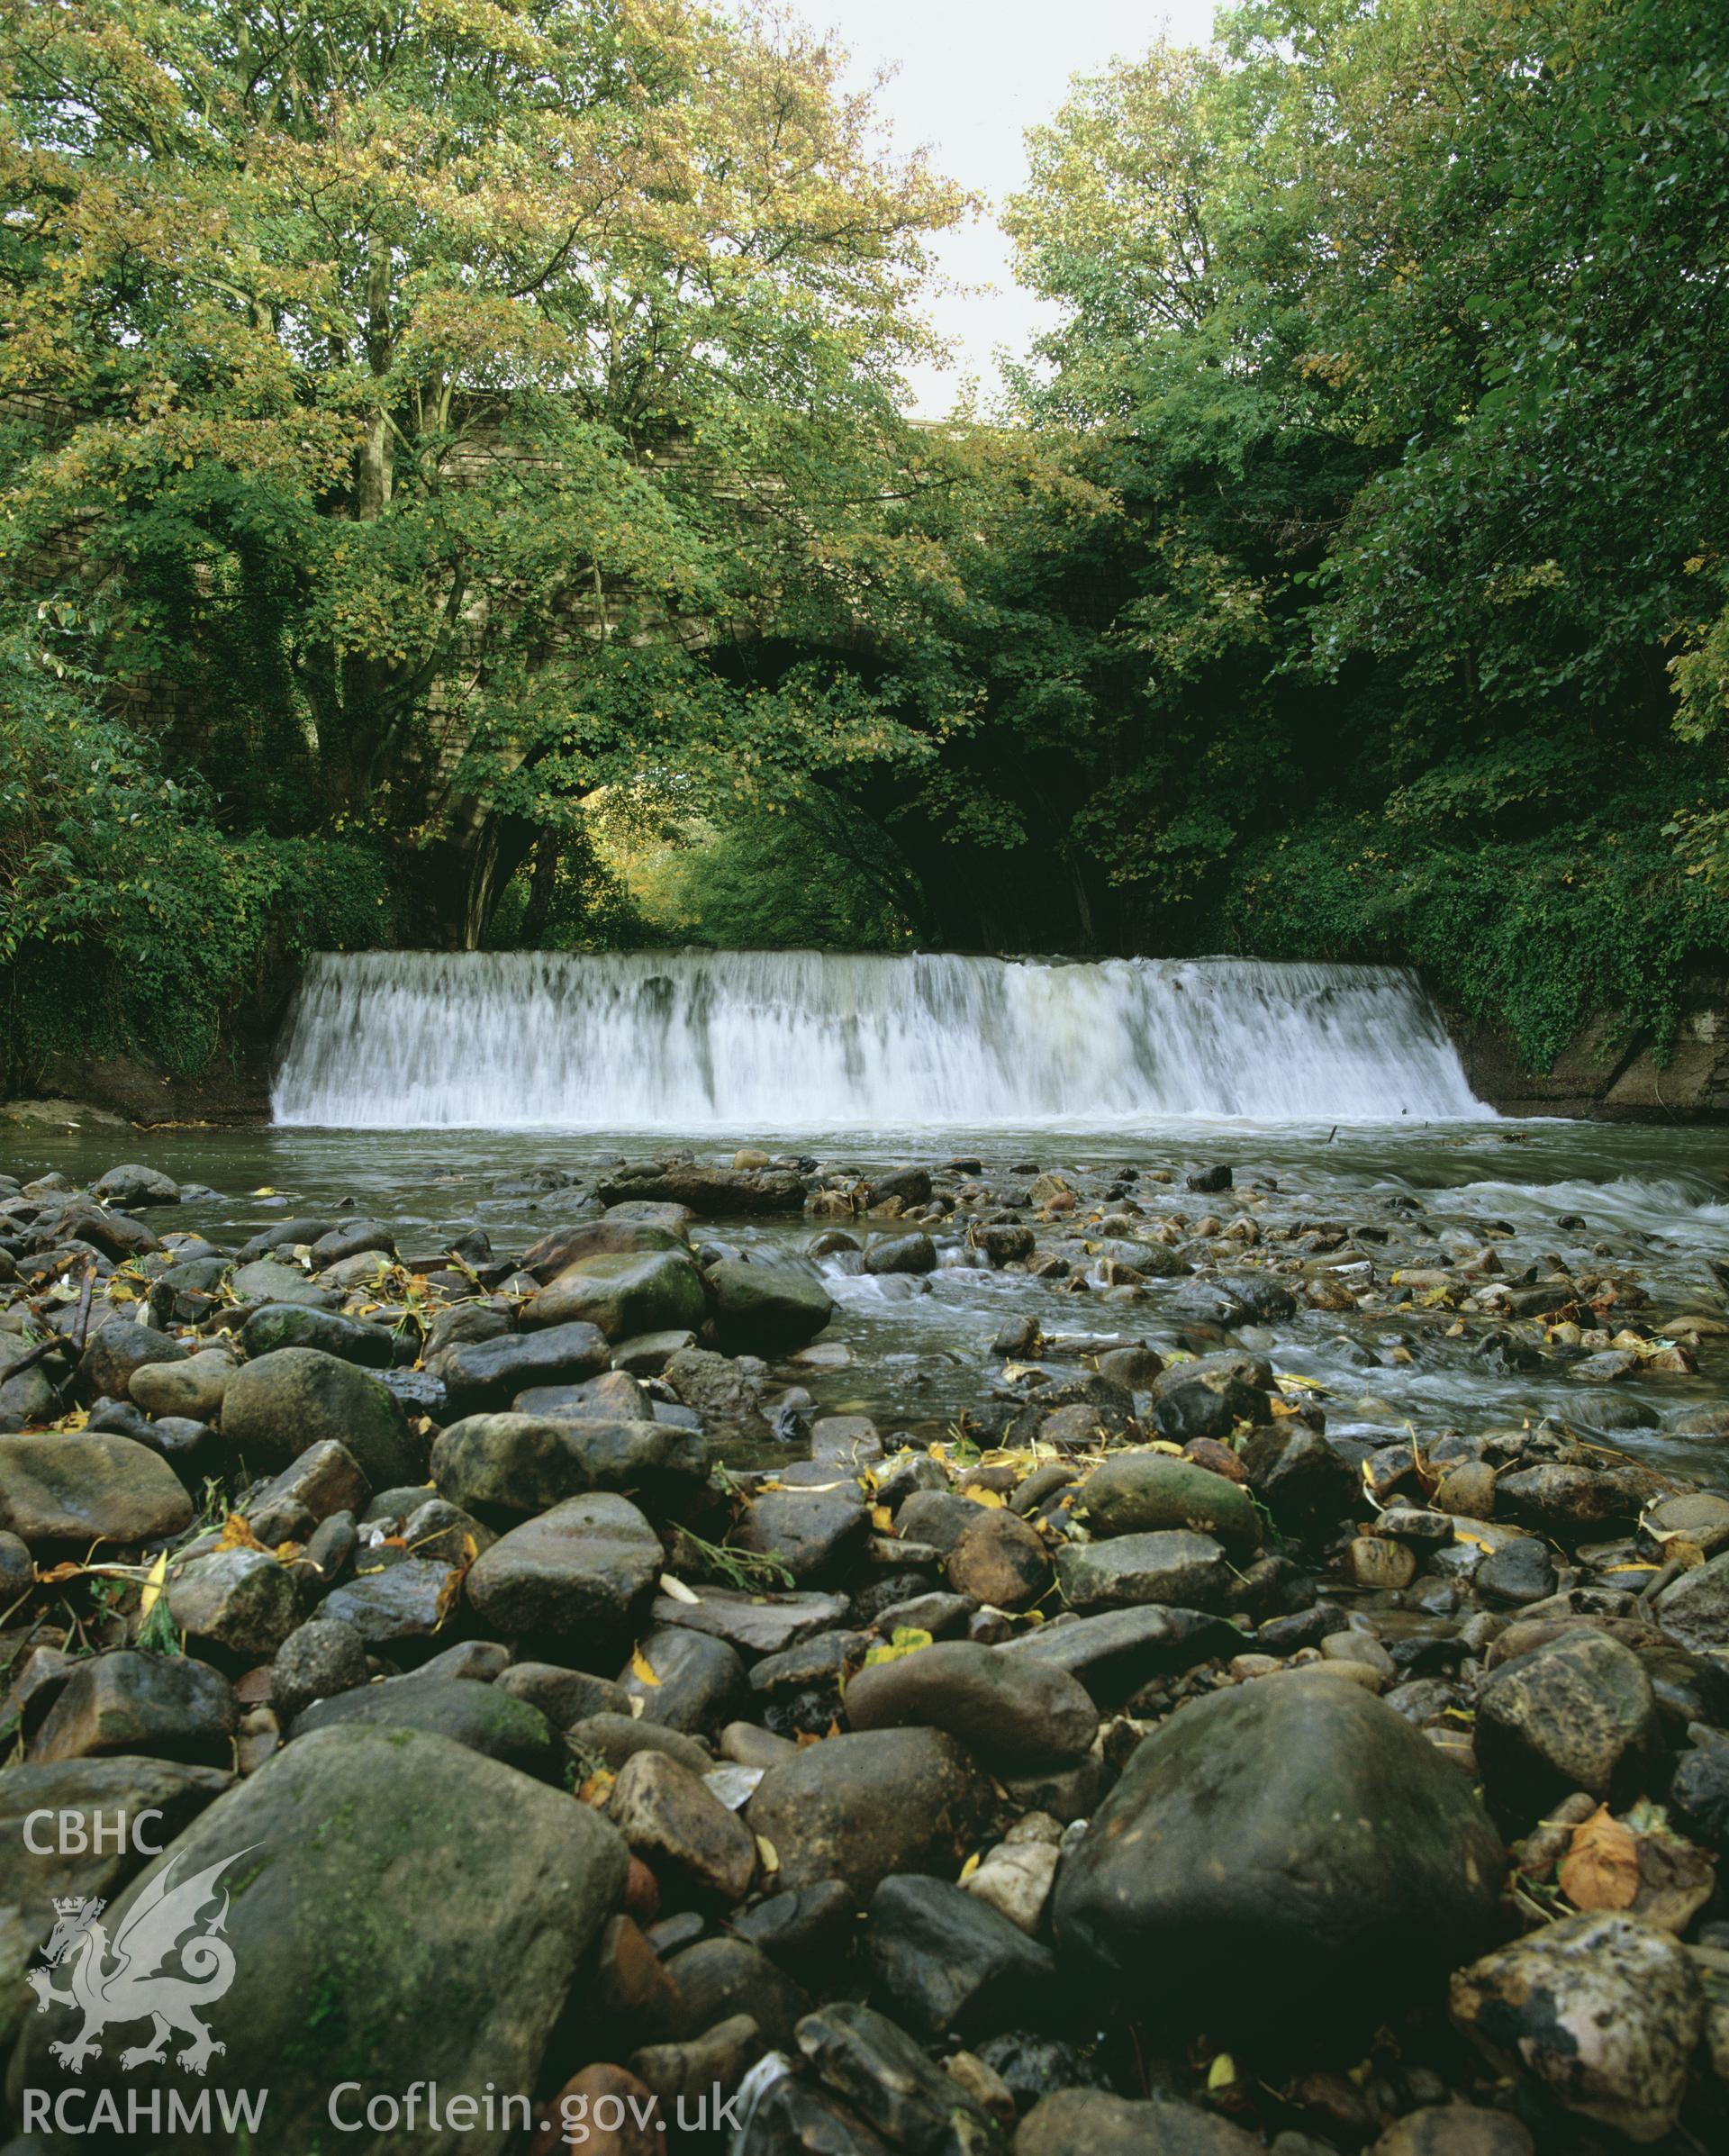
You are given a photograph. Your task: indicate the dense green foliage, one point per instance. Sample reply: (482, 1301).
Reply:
(1382, 553)
(474, 425)
(129, 919)
(409, 399)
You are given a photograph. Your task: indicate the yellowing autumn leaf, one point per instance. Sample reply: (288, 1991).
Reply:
(977, 1492)
(152, 1588)
(908, 1639)
(970, 1867)
(1222, 2072)
(1600, 1869)
(449, 1596)
(642, 1668)
(770, 1855)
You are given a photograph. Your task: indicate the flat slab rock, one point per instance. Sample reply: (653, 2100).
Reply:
(588, 1564)
(88, 1488)
(754, 1624)
(707, 1190)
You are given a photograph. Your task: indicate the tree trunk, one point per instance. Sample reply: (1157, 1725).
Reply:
(465, 874)
(547, 850)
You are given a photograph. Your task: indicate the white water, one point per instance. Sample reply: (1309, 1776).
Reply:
(784, 1041)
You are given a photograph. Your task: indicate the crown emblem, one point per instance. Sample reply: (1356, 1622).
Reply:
(72, 1906)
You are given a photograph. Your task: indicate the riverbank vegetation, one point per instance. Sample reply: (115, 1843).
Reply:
(453, 491)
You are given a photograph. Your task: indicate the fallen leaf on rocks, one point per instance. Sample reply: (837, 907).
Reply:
(906, 1639)
(449, 1595)
(1676, 1877)
(677, 1589)
(237, 1535)
(1601, 1868)
(769, 1854)
(642, 1668)
(153, 1585)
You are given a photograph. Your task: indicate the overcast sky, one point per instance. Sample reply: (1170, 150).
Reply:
(972, 75)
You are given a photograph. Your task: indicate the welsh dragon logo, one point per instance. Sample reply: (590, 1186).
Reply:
(127, 1981)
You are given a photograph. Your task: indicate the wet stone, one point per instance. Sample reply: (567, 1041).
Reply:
(1693, 1610)
(686, 1679)
(755, 1624)
(86, 1489)
(320, 1658)
(809, 1532)
(999, 1561)
(297, 1397)
(396, 1603)
(667, 1815)
(857, 1808)
(585, 1567)
(1116, 1653)
(1456, 2130)
(721, 1978)
(875, 2067)
(298, 1325)
(193, 1389)
(823, 1660)
(1174, 1567)
(1009, 1708)
(476, 1715)
(1102, 2125)
(948, 1964)
(239, 1602)
(1576, 1714)
(1138, 1492)
(505, 1466)
(1146, 1906)
(164, 1707)
(1518, 1574)
(798, 2116)
(564, 1696)
(1206, 1398)
(488, 1374)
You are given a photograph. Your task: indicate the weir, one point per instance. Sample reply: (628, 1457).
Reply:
(781, 1041)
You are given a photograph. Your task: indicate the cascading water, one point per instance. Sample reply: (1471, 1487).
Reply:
(781, 1041)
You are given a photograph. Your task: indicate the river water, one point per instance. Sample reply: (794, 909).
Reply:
(442, 1094)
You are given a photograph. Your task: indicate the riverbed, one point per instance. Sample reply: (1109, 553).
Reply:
(1651, 1202)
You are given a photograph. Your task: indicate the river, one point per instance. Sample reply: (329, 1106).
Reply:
(1656, 1199)
(444, 1093)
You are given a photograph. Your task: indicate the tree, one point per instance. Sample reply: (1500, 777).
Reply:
(399, 367)
(1391, 364)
